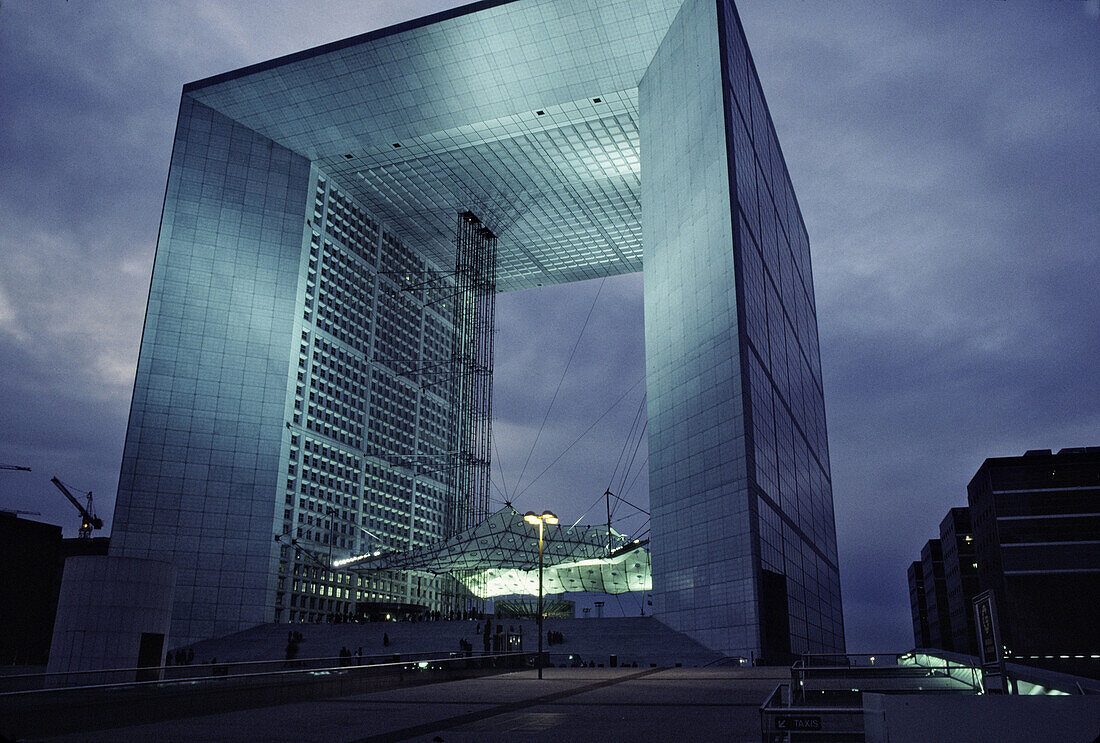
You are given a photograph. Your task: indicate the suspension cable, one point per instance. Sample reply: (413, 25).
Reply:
(626, 441)
(637, 445)
(500, 468)
(636, 508)
(558, 388)
(583, 434)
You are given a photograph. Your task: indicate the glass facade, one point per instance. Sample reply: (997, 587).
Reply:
(291, 381)
(781, 365)
(271, 347)
(744, 550)
(202, 460)
(367, 440)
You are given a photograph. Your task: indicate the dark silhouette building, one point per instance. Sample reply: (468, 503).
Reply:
(1031, 535)
(30, 553)
(32, 556)
(935, 595)
(960, 575)
(942, 586)
(918, 605)
(1036, 521)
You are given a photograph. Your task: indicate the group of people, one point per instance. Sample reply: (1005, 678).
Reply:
(495, 640)
(346, 657)
(181, 656)
(428, 616)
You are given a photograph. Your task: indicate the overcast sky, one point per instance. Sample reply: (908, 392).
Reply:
(945, 155)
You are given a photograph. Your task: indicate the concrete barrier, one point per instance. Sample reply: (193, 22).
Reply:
(908, 718)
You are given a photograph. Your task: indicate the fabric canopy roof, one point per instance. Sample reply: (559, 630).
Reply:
(500, 557)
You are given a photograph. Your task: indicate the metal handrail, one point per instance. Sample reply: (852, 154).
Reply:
(221, 677)
(777, 690)
(775, 708)
(887, 660)
(222, 664)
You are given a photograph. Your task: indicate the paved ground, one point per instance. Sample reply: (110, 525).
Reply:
(600, 704)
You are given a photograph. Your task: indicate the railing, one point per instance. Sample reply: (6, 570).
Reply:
(1024, 680)
(962, 669)
(101, 699)
(878, 672)
(824, 700)
(849, 660)
(782, 722)
(162, 675)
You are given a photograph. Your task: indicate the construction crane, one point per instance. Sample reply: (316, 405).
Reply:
(14, 467)
(88, 519)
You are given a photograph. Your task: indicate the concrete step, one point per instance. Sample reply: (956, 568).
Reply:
(633, 639)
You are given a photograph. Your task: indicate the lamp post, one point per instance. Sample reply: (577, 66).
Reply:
(546, 518)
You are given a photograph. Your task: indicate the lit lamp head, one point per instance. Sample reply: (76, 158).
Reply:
(534, 519)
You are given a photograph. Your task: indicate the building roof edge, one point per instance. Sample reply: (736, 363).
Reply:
(332, 46)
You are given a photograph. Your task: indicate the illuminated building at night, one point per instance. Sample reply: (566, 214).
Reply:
(313, 380)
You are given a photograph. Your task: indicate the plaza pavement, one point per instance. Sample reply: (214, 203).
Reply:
(694, 705)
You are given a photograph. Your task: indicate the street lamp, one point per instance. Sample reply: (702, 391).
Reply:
(546, 518)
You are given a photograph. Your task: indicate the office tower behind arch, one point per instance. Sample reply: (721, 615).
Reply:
(292, 396)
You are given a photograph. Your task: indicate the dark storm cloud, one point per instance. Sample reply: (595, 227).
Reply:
(90, 92)
(944, 155)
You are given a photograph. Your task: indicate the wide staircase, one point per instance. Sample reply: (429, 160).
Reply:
(641, 640)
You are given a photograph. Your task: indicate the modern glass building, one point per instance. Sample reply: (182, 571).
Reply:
(295, 400)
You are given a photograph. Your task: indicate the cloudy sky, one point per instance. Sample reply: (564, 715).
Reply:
(945, 155)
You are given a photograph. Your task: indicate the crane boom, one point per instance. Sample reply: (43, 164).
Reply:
(88, 520)
(14, 467)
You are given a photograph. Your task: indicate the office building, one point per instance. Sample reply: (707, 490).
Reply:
(1031, 535)
(30, 569)
(918, 605)
(942, 586)
(1036, 524)
(313, 376)
(960, 577)
(935, 595)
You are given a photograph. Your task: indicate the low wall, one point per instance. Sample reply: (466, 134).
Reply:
(909, 718)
